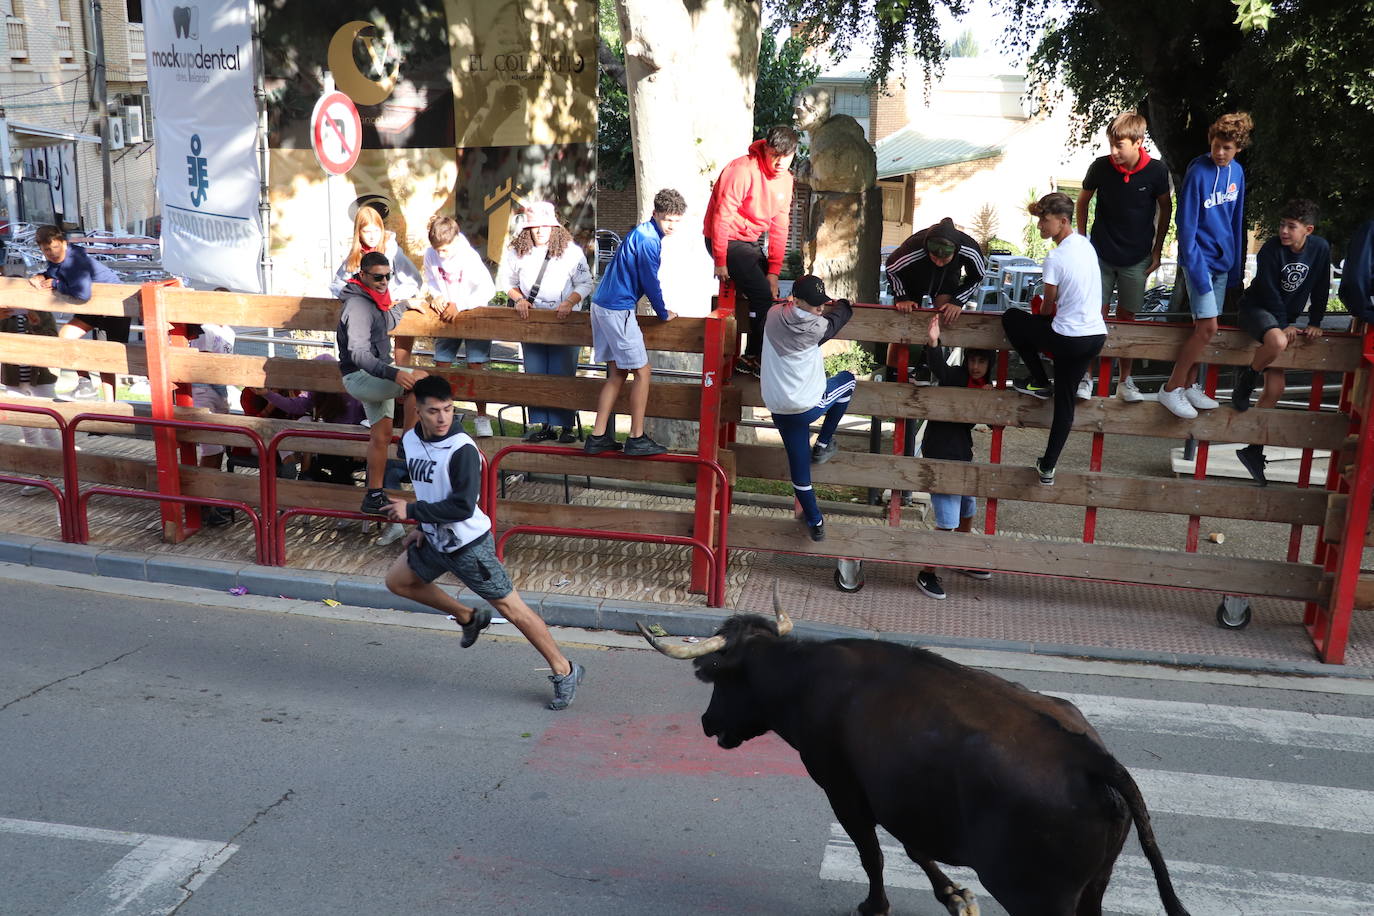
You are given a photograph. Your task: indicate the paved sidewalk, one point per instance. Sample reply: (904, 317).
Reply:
(608, 585)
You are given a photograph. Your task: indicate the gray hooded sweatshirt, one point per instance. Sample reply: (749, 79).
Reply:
(792, 379)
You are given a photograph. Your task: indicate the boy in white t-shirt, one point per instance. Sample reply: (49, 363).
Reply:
(456, 280)
(1069, 325)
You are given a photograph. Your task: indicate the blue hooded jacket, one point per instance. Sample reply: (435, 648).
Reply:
(1211, 223)
(1357, 277)
(633, 272)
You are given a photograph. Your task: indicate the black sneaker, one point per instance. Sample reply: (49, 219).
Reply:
(481, 619)
(595, 444)
(643, 446)
(566, 436)
(1033, 388)
(820, 454)
(816, 531)
(1046, 474)
(375, 502)
(981, 574)
(930, 583)
(565, 686)
(1252, 457)
(1246, 380)
(541, 433)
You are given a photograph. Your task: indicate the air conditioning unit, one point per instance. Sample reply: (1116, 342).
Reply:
(116, 132)
(146, 101)
(133, 123)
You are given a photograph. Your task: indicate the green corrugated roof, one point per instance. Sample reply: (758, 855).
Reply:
(908, 150)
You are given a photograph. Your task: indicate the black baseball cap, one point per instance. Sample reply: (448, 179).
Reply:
(811, 290)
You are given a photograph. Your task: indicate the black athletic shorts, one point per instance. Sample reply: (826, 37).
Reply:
(1257, 322)
(116, 329)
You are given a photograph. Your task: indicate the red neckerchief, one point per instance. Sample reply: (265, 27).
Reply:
(1127, 173)
(977, 382)
(382, 299)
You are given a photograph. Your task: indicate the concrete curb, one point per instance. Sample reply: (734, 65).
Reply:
(560, 610)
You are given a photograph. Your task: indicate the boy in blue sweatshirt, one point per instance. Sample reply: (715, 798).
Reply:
(1357, 279)
(1291, 269)
(616, 338)
(1211, 252)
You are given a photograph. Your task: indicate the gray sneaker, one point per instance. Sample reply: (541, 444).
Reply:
(820, 454)
(565, 686)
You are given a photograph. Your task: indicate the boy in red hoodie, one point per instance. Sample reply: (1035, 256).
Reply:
(753, 196)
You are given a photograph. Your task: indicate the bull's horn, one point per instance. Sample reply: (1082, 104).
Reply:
(784, 623)
(705, 647)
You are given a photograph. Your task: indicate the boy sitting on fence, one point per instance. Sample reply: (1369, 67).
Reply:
(365, 361)
(1290, 269)
(795, 389)
(952, 441)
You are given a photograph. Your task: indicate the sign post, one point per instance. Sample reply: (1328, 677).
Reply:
(336, 136)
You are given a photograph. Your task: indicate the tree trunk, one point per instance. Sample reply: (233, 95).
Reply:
(691, 67)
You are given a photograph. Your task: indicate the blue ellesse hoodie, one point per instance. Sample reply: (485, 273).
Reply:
(1211, 223)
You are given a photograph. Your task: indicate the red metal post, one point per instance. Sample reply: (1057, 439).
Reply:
(894, 504)
(1104, 380)
(713, 369)
(1330, 626)
(1314, 402)
(995, 449)
(177, 521)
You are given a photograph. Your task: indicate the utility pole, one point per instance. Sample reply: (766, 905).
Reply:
(102, 100)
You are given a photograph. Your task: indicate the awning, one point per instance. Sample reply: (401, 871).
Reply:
(944, 141)
(27, 136)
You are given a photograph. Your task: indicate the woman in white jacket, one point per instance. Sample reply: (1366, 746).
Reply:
(370, 234)
(456, 279)
(544, 269)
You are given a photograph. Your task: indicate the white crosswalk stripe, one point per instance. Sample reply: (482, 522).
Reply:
(1207, 889)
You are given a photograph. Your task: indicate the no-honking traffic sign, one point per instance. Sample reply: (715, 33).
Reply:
(336, 133)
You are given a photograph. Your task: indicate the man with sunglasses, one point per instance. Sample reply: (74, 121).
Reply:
(365, 360)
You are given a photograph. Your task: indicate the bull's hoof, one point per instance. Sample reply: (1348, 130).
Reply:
(960, 901)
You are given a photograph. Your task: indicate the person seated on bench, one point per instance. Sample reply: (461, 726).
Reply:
(1291, 269)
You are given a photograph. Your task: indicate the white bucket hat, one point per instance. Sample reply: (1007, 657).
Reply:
(539, 213)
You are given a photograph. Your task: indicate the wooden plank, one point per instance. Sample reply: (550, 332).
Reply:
(189, 365)
(1274, 426)
(578, 464)
(1186, 496)
(88, 355)
(666, 399)
(685, 335)
(1334, 522)
(111, 299)
(91, 469)
(295, 313)
(1140, 340)
(593, 518)
(1131, 565)
(1364, 593)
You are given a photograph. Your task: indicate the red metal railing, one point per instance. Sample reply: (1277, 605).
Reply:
(79, 499)
(64, 508)
(715, 556)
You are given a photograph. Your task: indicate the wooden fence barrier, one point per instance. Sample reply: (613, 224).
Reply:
(1331, 584)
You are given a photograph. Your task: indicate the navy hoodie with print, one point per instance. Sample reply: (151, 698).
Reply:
(1211, 223)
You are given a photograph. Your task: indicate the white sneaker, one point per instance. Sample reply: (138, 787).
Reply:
(1085, 388)
(481, 425)
(85, 390)
(1177, 403)
(30, 490)
(1126, 390)
(391, 534)
(1198, 399)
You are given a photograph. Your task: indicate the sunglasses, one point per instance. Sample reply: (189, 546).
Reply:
(385, 276)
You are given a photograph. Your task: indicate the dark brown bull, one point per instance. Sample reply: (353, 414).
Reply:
(961, 766)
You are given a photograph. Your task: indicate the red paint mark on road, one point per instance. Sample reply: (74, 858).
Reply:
(655, 745)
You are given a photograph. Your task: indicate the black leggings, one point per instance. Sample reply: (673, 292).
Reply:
(747, 264)
(1029, 335)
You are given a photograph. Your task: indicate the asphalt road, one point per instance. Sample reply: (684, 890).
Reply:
(236, 760)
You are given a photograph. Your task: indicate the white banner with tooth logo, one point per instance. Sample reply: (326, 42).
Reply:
(205, 120)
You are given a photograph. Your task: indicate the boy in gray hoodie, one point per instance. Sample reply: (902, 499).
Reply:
(366, 320)
(795, 389)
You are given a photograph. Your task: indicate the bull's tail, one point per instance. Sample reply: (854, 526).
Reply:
(1120, 780)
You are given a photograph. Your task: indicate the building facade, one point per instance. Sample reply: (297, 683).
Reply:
(50, 146)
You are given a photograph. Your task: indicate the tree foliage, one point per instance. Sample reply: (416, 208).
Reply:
(783, 71)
